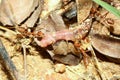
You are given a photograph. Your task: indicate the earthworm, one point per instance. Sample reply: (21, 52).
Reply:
(66, 34)
(52, 38)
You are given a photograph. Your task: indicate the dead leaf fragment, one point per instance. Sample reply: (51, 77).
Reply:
(49, 6)
(106, 45)
(15, 11)
(103, 42)
(83, 9)
(69, 59)
(35, 15)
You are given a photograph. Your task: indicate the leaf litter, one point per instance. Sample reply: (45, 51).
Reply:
(45, 43)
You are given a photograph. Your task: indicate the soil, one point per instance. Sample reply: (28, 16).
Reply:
(34, 63)
(41, 67)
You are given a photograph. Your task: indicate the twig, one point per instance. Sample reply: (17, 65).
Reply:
(25, 63)
(67, 7)
(8, 61)
(97, 65)
(8, 30)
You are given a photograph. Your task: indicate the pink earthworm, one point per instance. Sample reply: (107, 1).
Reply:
(52, 38)
(66, 34)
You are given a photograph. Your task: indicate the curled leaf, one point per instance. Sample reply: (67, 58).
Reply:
(106, 45)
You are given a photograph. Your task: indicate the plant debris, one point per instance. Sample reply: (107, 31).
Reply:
(59, 40)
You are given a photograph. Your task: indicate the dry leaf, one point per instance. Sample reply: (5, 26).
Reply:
(69, 59)
(15, 11)
(49, 6)
(83, 9)
(103, 42)
(106, 45)
(35, 15)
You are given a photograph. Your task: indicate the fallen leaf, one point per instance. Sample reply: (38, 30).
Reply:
(15, 11)
(83, 9)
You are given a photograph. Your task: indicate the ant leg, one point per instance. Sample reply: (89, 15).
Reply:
(85, 57)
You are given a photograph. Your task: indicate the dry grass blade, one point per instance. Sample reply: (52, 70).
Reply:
(7, 33)
(97, 65)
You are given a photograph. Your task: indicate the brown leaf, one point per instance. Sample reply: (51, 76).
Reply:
(83, 9)
(15, 11)
(63, 48)
(33, 18)
(103, 42)
(69, 59)
(46, 26)
(106, 45)
(59, 23)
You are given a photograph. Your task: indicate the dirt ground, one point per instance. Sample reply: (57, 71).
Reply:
(35, 63)
(40, 67)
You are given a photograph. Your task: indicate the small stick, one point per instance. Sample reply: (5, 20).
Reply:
(97, 65)
(8, 30)
(9, 64)
(25, 63)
